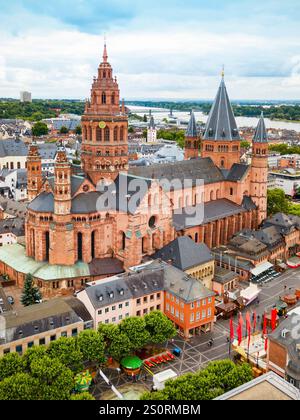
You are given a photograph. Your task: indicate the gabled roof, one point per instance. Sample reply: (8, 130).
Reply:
(192, 127)
(202, 168)
(213, 210)
(184, 253)
(248, 203)
(237, 172)
(261, 135)
(221, 124)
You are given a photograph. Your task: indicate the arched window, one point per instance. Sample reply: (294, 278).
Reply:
(79, 246)
(113, 98)
(106, 134)
(123, 241)
(116, 132)
(212, 195)
(47, 244)
(93, 244)
(122, 134)
(98, 134)
(104, 98)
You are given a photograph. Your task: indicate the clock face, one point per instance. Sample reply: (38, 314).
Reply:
(102, 124)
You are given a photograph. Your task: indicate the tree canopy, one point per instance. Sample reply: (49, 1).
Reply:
(31, 294)
(40, 129)
(218, 378)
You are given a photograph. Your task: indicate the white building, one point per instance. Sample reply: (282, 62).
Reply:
(151, 132)
(25, 96)
(287, 179)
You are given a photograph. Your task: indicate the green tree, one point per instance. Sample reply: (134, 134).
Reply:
(159, 327)
(131, 130)
(108, 331)
(33, 353)
(245, 145)
(55, 379)
(277, 202)
(83, 396)
(135, 329)
(31, 294)
(78, 130)
(64, 130)
(40, 129)
(120, 346)
(218, 378)
(92, 345)
(65, 349)
(20, 386)
(10, 364)
(145, 119)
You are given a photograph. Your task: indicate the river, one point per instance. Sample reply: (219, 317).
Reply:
(160, 113)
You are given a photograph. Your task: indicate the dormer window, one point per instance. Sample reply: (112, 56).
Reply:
(122, 292)
(111, 295)
(210, 132)
(101, 298)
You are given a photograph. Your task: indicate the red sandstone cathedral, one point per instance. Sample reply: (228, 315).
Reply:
(68, 224)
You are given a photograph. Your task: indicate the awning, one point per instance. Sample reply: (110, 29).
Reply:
(261, 268)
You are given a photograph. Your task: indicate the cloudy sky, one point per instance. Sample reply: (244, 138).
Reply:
(158, 48)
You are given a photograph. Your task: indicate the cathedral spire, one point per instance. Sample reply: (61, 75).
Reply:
(192, 127)
(261, 135)
(105, 55)
(221, 124)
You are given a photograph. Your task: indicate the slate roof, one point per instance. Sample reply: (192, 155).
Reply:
(284, 223)
(32, 320)
(290, 342)
(221, 124)
(269, 236)
(21, 178)
(15, 226)
(237, 172)
(184, 286)
(213, 210)
(196, 169)
(184, 253)
(261, 135)
(43, 203)
(13, 148)
(192, 127)
(108, 292)
(224, 276)
(248, 203)
(47, 151)
(12, 207)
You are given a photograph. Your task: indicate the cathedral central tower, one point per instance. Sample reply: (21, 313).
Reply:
(104, 128)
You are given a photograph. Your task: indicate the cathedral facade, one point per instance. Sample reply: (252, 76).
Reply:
(85, 223)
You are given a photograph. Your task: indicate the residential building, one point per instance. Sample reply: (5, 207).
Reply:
(42, 324)
(155, 286)
(284, 350)
(12, 231)
(287, 180)
(268, 387)
(193, 258)
(9, 208)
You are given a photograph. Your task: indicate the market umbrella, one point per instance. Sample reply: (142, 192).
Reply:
(131, 362)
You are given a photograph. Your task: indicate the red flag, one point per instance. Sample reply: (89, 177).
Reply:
(240, 330)
(231, 330)
(266, 344)
(274, 319)
(254, 321)
(265, 330)
(248, 323)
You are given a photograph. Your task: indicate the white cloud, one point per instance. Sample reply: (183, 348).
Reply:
(172, 62)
